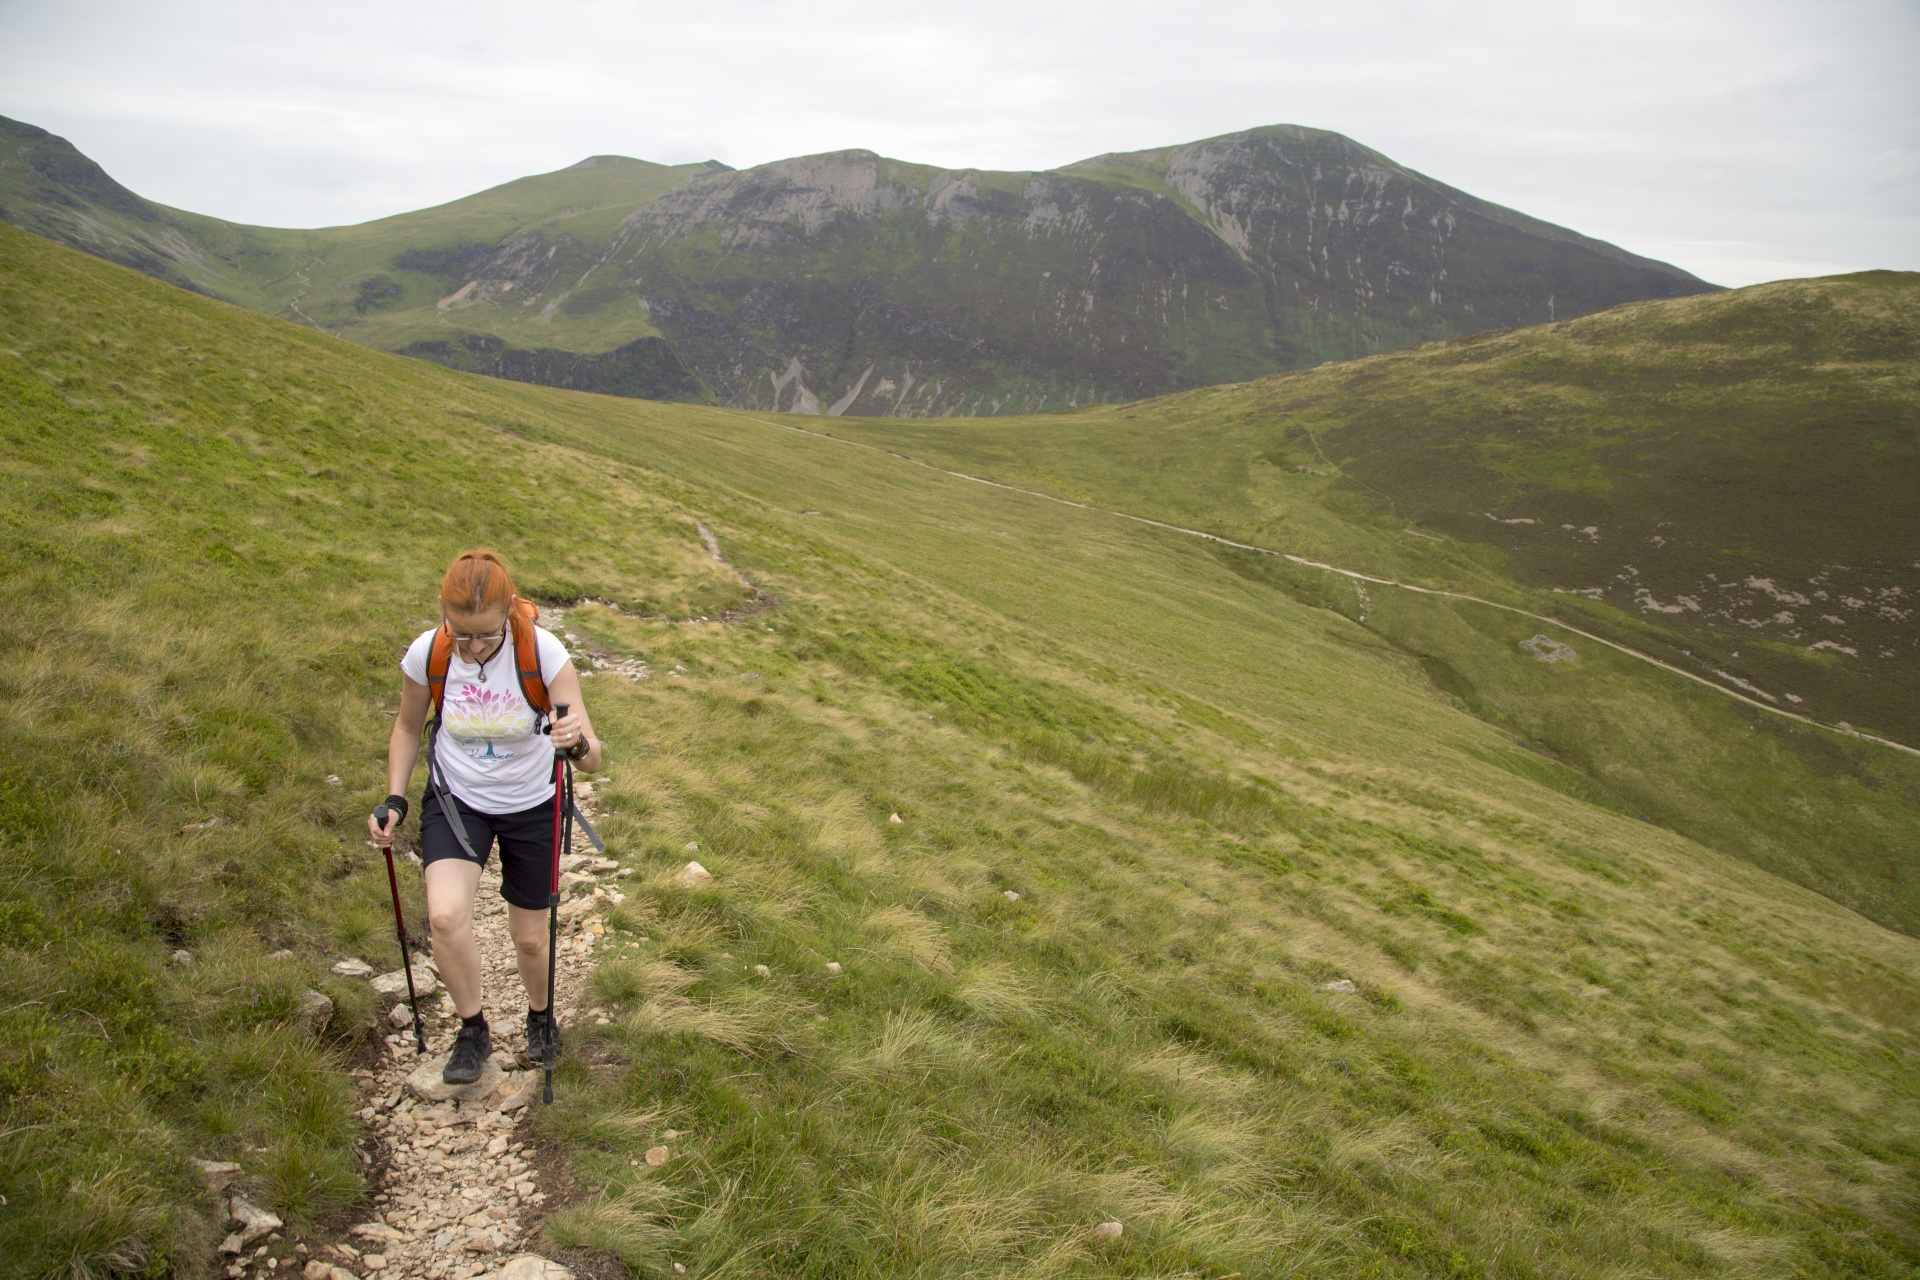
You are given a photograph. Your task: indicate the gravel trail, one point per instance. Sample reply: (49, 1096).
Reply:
(457, 1187)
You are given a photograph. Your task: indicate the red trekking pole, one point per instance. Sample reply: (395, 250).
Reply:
(380, 813)
(562, 834)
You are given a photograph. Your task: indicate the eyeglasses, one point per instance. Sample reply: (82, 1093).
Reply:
(490, 638)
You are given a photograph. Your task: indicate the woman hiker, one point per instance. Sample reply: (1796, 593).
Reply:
(490, 771)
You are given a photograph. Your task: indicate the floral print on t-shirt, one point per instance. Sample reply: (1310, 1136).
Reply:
(485, 721)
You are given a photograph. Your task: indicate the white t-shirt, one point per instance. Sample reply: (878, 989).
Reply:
(487, 753)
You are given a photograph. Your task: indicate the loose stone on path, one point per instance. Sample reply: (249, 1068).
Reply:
(218, 1173)
(394, 985)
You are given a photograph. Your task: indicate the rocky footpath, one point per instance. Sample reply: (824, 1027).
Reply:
(457, 1188)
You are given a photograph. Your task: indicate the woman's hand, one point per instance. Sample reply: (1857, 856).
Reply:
(383, 836)
(386, 819)
(568, 729)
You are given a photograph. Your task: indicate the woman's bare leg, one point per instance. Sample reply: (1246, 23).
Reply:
(529, 930)
(451, 883)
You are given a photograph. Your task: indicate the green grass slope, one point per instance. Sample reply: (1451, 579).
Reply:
(383, 282)
(1579, 1044)
(1722, 482)
(850, 282)
(49, 188)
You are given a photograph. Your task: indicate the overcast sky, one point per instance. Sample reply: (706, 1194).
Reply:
(1745, 140)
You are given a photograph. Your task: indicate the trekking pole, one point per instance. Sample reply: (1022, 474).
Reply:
(553, 904)
(380, 813)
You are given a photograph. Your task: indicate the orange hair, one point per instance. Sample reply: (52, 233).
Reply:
(476, 582)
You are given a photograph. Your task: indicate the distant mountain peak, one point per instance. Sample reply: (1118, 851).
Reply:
(594, 162)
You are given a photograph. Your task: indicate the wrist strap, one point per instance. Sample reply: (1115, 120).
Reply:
(400, 803)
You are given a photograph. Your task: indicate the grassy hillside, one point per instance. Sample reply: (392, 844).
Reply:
(1723, 482)
(1578, 1044)
(850, 282)
(382, 281)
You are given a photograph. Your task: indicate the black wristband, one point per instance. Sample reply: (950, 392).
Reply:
(397, 802)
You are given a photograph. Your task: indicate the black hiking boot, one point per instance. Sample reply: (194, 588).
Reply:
(470, 1050)
(543, 1035)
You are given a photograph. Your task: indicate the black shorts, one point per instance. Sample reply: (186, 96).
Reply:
(526, 846)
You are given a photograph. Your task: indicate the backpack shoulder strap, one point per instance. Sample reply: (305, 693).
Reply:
(438, 660)
(526, 655)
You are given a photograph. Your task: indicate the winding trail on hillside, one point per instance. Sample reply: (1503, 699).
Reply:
(1354, 574)
(293, 303)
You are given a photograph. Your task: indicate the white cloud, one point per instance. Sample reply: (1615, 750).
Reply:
(1743, 139)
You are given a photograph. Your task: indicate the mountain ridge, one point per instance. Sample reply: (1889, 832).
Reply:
(1514, 217)
(852, 283)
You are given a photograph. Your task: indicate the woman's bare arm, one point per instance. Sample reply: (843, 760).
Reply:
(403, 749)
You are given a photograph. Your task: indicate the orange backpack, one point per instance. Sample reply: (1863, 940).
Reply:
(526, 659)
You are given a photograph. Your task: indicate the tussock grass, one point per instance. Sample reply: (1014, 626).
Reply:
(1177, 1069)
(632, 916)
(909, 1045)
(906, 934)
(631, 1224)
(663, 1018)
(1217, 1146)
(613, 1127)
(685, 933)
(624, 982)
(949, 1218)
(996, 991)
